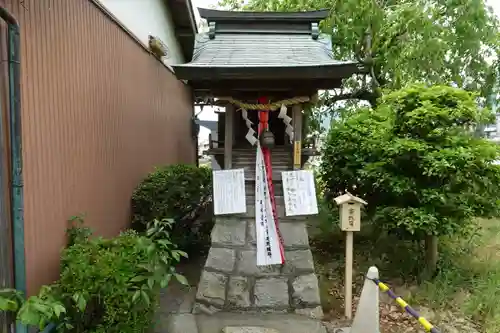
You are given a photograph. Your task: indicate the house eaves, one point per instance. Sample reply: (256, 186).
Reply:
(185, 25)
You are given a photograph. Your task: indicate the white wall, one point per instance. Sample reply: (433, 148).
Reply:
(147, 17)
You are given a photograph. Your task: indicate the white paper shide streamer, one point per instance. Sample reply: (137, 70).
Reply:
(268, 246)
(251, 133)
(287, 121)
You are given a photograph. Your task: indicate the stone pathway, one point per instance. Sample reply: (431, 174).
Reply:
(230, 322)
(177, 302)
(177, 299)
(282, 323)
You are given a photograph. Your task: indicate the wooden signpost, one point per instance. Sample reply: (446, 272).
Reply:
(350, 221)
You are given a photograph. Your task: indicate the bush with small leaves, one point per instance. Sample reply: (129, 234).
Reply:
(179, 192)
(106, 285)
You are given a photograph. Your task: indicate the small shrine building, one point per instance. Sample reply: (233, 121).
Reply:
(262, 67)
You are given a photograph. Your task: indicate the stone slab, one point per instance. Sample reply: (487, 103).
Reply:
(221, 259)
(271, 292)
(229, 232)
(199, 308)
(299, 262)
(295, 235)
(246, 329)
(306, 290)
(247, 265)
(212, 288)
(238, 294)
(280, 210)
(185, 323)
(315, 312)
(283, 323)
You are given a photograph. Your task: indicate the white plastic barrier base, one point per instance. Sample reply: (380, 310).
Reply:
(367, 317)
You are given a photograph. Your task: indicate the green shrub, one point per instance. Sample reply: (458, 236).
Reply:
(38, 311)
(416, 162)
(106, 285)
(180, 192)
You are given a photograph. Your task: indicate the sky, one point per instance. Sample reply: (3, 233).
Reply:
(208, 114)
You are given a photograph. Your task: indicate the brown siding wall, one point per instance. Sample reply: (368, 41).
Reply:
(98, 113)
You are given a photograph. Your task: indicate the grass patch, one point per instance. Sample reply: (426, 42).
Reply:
(467, 284)
(469, 277)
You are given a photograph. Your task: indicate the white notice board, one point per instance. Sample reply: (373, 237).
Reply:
(299, 193)
(229, 192)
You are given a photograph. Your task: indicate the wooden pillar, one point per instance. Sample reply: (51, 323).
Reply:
(228, 136)
(297, 136)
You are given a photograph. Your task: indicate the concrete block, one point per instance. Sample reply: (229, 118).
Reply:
(229, 232)
(306, 291)
(212, 288)
(221, 259)
(239, 292)
(271, 292)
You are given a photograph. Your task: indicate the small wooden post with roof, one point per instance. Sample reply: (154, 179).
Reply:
(262, 67)
(350, 221)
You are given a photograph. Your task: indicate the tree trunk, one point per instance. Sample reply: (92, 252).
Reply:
(431, 255)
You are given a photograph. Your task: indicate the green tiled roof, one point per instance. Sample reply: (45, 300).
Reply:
(266, 46)
(268, 50)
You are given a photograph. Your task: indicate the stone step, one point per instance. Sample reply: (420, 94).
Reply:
(274, 163)
(250, 176)
(253, 153)
(248, 329)
(250, 188)
(283, 323)
(280, 210)
(285, 165)
(250, 173)
(276, 150)
(251, 158)
(278, 196)
(251, 199)
(247, 323)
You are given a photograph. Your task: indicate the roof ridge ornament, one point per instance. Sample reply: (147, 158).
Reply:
(314, 30)
(211, 30)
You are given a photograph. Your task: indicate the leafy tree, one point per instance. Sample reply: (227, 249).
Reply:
(451, 42)
(417, 162)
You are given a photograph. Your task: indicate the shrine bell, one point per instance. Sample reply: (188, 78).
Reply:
(350, 211)
(267, 139)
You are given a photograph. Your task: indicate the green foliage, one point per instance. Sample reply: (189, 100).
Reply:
(10, 299)
(431, 41)
(463, 294)
(37, 311)
(416, 161)
(117, 281)
(106, 285)
(469, 277)
(77, 232)
(180, 192)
